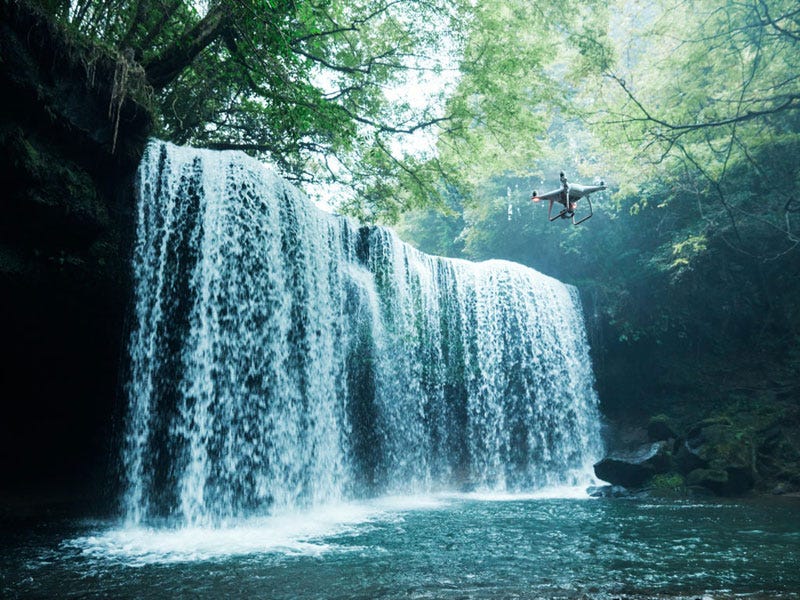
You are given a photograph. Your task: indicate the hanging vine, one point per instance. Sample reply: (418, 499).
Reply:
(126, 65)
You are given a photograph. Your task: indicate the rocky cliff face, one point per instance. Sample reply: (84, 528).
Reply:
(66, 225)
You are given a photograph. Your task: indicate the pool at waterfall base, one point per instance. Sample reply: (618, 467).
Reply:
(545, 545)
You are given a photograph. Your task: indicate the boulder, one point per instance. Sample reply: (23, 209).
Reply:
(635, 468)
(660, 428)
(712, 479)
(687, 459)
(719, 457)
(778, 455)
(778, 490)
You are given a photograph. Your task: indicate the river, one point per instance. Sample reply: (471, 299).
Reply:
(437, 546)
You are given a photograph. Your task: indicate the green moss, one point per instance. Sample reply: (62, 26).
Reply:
(667, 485)
(718, 419)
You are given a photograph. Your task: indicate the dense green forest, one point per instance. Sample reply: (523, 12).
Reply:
(442, 117)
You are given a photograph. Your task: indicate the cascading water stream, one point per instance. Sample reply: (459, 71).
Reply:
(284, 357)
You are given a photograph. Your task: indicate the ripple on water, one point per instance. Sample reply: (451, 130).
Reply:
(446, 547)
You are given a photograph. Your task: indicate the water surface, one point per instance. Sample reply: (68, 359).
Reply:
(446, 546)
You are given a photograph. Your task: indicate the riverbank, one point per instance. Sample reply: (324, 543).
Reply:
(746, 446)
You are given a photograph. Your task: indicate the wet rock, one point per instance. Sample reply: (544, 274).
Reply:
(713, 479)
(724, 482)
(740, 479)
(687, 459)
(607, 491)
(67, 221)
(780, 489)
(778, 455)
(635, 468)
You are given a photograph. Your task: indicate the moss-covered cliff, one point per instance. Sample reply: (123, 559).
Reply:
(66, 225)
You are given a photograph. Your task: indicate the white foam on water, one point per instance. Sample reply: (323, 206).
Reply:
(291, 532)
(314, 532)
(558, 492)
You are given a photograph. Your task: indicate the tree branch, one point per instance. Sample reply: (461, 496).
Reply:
(163, 69)
(791, 102)
(768, 20)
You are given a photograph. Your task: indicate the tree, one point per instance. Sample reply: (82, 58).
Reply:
(707, 97)
(321, 87)
(302, 83)
(688, 271)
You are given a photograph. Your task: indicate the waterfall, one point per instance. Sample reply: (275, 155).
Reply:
(285, 357)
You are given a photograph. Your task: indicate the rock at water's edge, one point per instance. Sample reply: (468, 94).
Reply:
(634, 469)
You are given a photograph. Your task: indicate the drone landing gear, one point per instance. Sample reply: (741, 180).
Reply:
(567, 213)
(587, 217)
(564, 214)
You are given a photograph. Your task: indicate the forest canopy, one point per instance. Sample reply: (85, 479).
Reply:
(333, 91)
(407, 102)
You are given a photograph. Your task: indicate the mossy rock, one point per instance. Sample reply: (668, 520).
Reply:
(719, 456)
(667, 485)
(778, 454)
(687, 459)
(718, 420)
(715, 480)
(50, 198)
(731, 481)
(718, 444)
(661, 428)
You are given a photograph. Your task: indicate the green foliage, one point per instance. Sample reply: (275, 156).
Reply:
(710, 109)
(667, 485)
(691, 112)
(303, 84)
(321, 87)
(689, 268)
